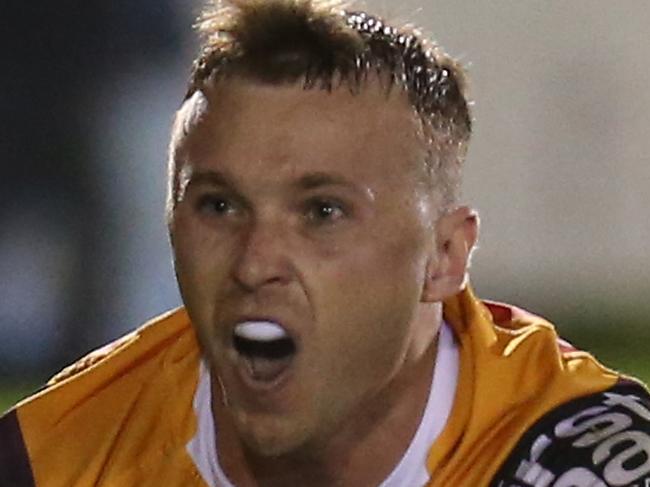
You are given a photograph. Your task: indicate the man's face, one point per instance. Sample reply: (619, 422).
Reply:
(307, 209)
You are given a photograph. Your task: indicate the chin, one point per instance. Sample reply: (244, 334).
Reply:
(273, 437)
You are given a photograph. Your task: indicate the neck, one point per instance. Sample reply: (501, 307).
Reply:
(377, 435)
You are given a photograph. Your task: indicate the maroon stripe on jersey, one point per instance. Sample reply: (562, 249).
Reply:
(15, 470)
(630, 381)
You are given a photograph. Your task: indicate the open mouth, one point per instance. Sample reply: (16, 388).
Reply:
(265, 347)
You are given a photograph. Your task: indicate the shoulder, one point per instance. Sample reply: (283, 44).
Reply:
(156, 350)
(92, 358)
(156, 335)
(96, 412)
(596, 440)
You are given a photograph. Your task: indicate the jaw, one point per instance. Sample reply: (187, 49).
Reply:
(294, 415)
(269, 436)
(325, 447)
(263, 432)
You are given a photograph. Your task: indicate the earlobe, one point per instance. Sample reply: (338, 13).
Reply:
(456, 233)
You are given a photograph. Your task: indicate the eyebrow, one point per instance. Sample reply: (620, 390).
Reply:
(214, 178)
(310, 181)
(317, 180)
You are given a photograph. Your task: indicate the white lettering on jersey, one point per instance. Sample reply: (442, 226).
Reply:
(530, 471)
(607, 439)
(616, 473)
(572, 425)
(628, 401)
(579, 477)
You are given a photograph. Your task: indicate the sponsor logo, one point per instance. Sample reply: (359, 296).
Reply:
(604, 444)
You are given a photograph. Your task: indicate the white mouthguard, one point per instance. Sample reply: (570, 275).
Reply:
(265, 331)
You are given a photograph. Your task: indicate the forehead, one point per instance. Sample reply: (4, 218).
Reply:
(247, 122)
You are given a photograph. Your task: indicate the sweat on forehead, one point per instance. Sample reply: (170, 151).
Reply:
(194, 109)
(224, 111)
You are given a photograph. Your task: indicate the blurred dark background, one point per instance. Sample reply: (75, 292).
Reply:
(87, 93)
(558, 167)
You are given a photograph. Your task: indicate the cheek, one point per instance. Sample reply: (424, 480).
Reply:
(199, 261)
(376, 274)
(369, 302)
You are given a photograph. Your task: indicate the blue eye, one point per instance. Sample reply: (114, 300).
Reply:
(324, 211)
(212, 204)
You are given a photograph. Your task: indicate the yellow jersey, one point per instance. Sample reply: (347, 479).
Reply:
(122, 416)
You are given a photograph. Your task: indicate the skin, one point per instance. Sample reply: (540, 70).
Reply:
(324, 223)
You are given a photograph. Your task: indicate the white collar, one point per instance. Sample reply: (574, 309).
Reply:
(410, 471)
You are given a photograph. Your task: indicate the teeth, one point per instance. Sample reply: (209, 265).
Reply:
(264, 331)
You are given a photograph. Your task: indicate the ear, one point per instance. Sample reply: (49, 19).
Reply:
(456, 235)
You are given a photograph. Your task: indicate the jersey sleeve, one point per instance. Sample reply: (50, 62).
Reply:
(599, 440)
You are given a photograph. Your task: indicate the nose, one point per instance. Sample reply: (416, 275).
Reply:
(263, 257)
